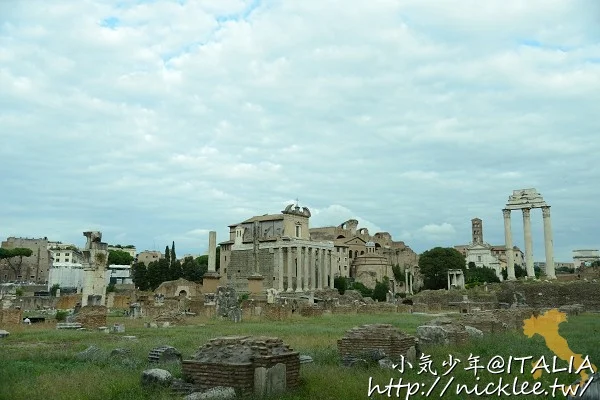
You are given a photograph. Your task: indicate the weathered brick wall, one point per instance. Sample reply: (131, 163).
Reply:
(292, 366)
(11, 316)
(367, 338)
(344, 309)
(37, 303)
(311, 311)
(241, 267)
(208, 375)
(445, 297)
(91, 317)
(118, 301)
(553, 294)
(275, 312)
(68, 302)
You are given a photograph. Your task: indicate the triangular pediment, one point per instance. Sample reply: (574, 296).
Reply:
(479, 246)
(355, 240)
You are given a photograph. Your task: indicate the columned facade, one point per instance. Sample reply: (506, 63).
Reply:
(525, 200)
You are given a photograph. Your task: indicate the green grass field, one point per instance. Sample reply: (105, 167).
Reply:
(38, 362)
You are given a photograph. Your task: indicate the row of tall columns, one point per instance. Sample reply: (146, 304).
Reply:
(548, 244)
(314, 268)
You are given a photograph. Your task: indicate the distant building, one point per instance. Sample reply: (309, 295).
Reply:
(542, 265)
(127, 249)
(585, 257)
(148, 256)
(65, 253)
(66, 276)
(119, 275)
(33, 269)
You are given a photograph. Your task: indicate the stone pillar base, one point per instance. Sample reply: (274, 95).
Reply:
(255, 284)
(210, 282)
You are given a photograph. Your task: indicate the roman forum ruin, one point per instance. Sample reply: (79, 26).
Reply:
(525, 200)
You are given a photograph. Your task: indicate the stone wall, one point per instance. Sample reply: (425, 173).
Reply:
(553, 294)
(91, 317)
(368, 338)
(118, 301)
(311, 311)
(445, 297)
(11, 316)
(241, 267)
(231, 362)
(276, 312)
(68, 302)
(37, 303)
(344, 309)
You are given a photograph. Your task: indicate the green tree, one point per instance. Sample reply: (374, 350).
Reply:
(596, 263)
(341, 284)
(111, 287)
(520, 272)
(192, 270)
(119, 257)
(477, 276)
(14, 259)
(158, 272)
(362, 289)
(139, 275)
(173, 255)
(167, 254)
(175, 270)
(435, 263)
(381, 289)
(399, 275)
(54, 289)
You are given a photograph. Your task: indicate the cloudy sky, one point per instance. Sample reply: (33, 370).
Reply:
(155, 121)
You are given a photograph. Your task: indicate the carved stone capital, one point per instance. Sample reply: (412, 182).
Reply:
(546, 212)
(526, 212)
(506, 213)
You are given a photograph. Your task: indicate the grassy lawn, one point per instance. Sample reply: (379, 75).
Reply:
(39, 362)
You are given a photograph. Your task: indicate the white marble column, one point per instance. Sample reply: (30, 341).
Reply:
(406, 280)
(332, 264)
(449, 283)
(528, 242)
(299, 268)
(290, 267)
(548, 243)
(313, 265)
(280, 256)
(510, 259)
(320, 269)
(306, 266)
(327, 268)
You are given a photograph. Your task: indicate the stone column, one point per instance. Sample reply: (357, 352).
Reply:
(410, 280)
(289, 269)
(510, 259)
(332, 259)
(406, 281)
(449, 283)
(280, 269)
(299, 269)
(306, 266)
(548, 243)
(528, 242)
(328, 269)
(313, 266)
(212, 251)
(319, 270)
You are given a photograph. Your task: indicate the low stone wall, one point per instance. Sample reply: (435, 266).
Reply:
(118, 301)
(553, 294)
(68, 302)
(37, 303)
(344, 309)
(367, 338)
(275, 312)
(232, 361)
(444, 298)
(311, 311)
(91, 317)
(498, 320)
(11, 316)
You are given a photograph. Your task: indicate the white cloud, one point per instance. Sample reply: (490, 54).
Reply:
(153, 119)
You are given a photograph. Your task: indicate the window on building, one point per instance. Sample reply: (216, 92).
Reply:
(298, 231)
(478, 258)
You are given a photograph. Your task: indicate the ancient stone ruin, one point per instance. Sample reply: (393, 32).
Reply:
(375, 342)
(227, 304)
(164, 354)
(443, 331)
(250, 365)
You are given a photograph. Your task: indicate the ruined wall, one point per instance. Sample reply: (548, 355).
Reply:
(118, 301)
(241, 267)
(91, 317)
(68, 302)
(311, 311)
(275, 312)
(367, 338)
(553, 294)
(37, 303)
(11, 316)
